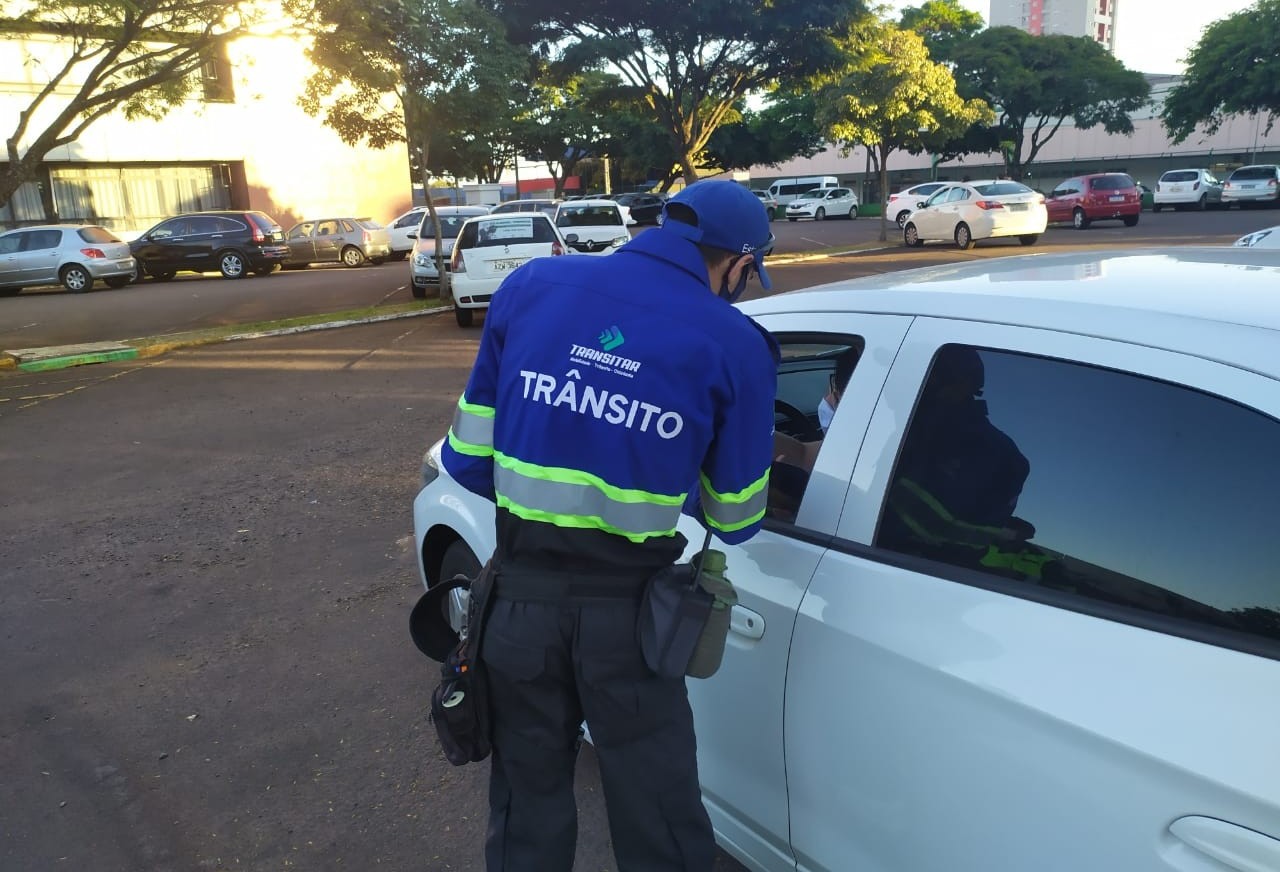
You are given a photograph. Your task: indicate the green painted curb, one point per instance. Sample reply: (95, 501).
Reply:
(78, 360)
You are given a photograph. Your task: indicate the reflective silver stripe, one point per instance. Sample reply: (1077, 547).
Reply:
(472, 429)
(733, 516)
(584, 505)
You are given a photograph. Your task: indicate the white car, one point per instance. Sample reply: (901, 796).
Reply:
(964, 212)
(1072, 661)
(1180, 188)
(486, 251)
(1257, 183)
(593, 226)
(769, 202)
(905, 202)
(399, 229)
(823, 203)
(1268, 237)
(422, 259)
(73, 255)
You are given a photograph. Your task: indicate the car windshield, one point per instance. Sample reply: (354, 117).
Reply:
(1180, 176)
(589, 216)
(507, 230)
(1002, 188)
(97, 234)
(1247, 173)
(449, 225)
(368, 224)
(263, 222)
(1112, 183)
(814, 194)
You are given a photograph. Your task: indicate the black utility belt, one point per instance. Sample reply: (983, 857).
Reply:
(531, 585)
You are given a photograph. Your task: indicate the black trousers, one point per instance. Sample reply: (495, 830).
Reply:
(559, 649)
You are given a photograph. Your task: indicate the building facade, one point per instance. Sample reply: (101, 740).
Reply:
(242, 142)
(1095, 19)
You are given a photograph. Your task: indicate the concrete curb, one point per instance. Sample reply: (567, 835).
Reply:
(50, 359)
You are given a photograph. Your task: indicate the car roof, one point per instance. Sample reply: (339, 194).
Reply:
(590, 201)
(459, 210)
(507, 216)
(53, 227)
(1213, 302)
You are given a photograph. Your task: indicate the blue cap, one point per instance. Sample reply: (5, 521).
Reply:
(730, 217)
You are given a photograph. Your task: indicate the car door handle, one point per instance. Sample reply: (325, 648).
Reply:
(745, 622)
(1234, 846)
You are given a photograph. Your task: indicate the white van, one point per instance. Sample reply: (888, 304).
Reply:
(786, 190)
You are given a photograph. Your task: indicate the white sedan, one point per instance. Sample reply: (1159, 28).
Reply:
(989, 631)
(823, 203)
(488, 248)
(1268, 237)
(964, 212)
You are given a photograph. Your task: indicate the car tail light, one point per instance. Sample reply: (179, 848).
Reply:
(257, 235)
(1041, 199)
(1226, 185)
(1271, 183)
(556, 249)
(988, 205)
(1196, 186)
(92, 253)
(456, 263)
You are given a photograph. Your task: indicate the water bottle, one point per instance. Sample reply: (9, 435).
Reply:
(709, 651)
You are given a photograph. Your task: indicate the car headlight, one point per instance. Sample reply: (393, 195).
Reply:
(423, 260)
(430, 470)
(1252, 239)
(620, 240)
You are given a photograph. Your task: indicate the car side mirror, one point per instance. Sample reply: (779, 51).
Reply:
(571, 238)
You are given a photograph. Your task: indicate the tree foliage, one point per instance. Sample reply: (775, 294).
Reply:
(1039, 82)
(890, 96)
(692, 64)
(561, 124)
(1233, 70)
(783, 129)
(139, 56)
(942, 24)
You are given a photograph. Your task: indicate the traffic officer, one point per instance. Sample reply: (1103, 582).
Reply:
(608, 394)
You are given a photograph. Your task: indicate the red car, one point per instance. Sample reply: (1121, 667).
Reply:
(1098, 197)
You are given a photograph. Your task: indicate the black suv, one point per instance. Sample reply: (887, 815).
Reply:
(233, 243)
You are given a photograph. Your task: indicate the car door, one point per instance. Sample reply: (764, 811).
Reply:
(301, 246)
(38, 258)
(739, 712)
(1062, 199)
(929, 219)
(10, 268)
(160, 250)
(1091, 682)
(206, 236)
(328, 241)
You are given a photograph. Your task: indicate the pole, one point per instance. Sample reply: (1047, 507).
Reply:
(608, 186)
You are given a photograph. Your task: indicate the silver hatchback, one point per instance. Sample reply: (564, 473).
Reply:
(350, 241)
(74, 255)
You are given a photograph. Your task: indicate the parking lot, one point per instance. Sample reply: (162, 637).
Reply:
(208, 571)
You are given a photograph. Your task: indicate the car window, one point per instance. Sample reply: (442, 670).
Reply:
(1112, 183)
(1247, 173)
(347, 226)
(96, 234)
(409, 219)
(814, 372)
(201, 224)
(1110, 487)
(939, 196)
(1002, 188)
(1180, 176)
(327, 228)
(450, 225)
(958, 195)
(923, 190)
(368, 224)
(509, 230)
(11, 243)
(302, 231)
(588, 216)
(40, 240)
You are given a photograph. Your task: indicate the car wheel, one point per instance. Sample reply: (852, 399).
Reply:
(162, 275)
(911, 237)
(820, 215)
(1079, 220)
(464, 317)
(418, 293)
(964, 237)
(1156, 207)
(789, 218)
(118, 281)
(76, 278)
(352, 256)
(1131, 221)
(264, 270)
(853, 213)
(1029, 238)
(1203, 202)
(902, 217)
(231, 264)
(458, 560)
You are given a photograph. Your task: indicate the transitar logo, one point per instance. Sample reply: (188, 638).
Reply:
(611, 338)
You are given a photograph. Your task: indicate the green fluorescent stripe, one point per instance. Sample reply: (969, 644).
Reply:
(735, 526)
(564, 475)
(733, 516)
(575, 504)
(467, 448)
(475, 408)
(747, 493)
(576, 521)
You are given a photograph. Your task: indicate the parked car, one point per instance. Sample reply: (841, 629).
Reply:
(1179, 188)
(546, 206)
(1268, 237)
(770, 202)
(350, 241)
(644, 208)
(821, 203)
(593, 226)
(1257, 183)
(965, 212)
(75, 255)
(234, 243)
(1072, 659)
(1096, 197)
(905, 202)
(422, 262)
(399, 229)
(488, 248)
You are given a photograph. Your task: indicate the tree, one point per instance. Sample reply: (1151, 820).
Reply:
(139, 56)
(783, 129)
(890, 96)
(1233, 69)
(1038, 82)
(942, 24)
(401, 70)
(692, 64)
(560, 126)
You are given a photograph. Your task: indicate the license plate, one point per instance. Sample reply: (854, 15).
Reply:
(1017, 207)
(1177, 189)
(1119, 199)
(126, 262)
(1248, 186)
(505, 265)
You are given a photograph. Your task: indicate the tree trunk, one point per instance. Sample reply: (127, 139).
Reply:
(446, 287)
(884, 193)
(688, 166)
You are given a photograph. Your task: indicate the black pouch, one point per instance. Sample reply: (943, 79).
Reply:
(460, 704)
(673, 613)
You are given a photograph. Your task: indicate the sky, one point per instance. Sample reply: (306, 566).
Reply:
(1152, 36)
